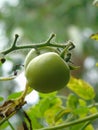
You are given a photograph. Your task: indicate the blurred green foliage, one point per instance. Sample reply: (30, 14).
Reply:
(34, 20)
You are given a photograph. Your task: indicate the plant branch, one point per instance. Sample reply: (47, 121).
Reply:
(9, 108)
(46, 43)
(58, 127)
(50, 38)
(15, 40)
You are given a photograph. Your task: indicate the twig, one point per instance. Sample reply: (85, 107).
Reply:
(46, 43)
(15, 40)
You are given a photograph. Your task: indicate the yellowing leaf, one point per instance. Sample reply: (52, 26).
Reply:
(94, 36)
(81, 88)
(89, 127)
(93, 110)
(82, 103)
(97, 64)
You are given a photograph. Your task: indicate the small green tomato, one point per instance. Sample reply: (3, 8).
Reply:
(33, 53)
(47, 72)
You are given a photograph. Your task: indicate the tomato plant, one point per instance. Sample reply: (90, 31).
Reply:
(48, 69)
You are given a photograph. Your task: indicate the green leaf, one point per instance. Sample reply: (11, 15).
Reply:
(82, 111)
(89, 127)
(76, 127)
(62, 113)
(14, 95)
(4, 126)
(1, 99)
(35, 116)
(82, 103)
(93, 110)
(72, 101)
(44, 111)
(49, 105)
(42, 95)
(44, 105)
(48, 102)
(81, 88)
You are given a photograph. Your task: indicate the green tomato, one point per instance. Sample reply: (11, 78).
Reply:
(47, 72)
(33, 53)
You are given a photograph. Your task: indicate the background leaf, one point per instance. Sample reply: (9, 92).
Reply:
(97, 64)
(43, 112)
(14, 95)
(72, 101)
(94, 36)
(89, 127)
(1, 99)
(81, 88)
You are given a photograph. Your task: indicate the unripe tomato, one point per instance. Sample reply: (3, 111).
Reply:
(47, 72)
(33, 53)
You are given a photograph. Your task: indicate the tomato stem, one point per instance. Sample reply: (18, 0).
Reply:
(22, 97)
(36, 45)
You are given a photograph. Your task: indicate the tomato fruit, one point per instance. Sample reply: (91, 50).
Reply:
(47, 72)
(33, 53)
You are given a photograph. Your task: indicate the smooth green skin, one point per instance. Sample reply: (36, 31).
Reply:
(47, 72)
(33, 53)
